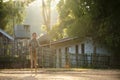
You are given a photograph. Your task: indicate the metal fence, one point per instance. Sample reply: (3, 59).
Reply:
(90, 60)
(16, 55)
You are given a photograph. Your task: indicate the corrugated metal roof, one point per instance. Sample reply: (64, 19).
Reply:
(59, 41)
(62, 40)
(8, 36)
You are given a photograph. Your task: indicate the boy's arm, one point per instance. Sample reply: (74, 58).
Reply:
(37, 43)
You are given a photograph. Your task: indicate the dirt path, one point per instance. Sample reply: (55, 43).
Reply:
(78, 74)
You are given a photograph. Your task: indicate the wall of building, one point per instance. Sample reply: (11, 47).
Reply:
(88, 49)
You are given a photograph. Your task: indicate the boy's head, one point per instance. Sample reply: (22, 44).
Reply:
(34, 35)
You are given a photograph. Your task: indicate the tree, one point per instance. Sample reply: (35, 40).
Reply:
(98, 19)
(95, 18)
(46, 12)
(73, 18)
(11, 13)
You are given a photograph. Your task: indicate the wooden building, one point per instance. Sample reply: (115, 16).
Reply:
(5, 40)
(75, 53)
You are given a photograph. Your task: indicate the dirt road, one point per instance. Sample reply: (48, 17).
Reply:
(60, 74)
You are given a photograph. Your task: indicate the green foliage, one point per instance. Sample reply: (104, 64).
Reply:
(107, 22)
(73, 18)
(98, 19)
(12, 12)
(55, 32)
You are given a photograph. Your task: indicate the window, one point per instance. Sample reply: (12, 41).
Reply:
(76, 49)
(66, 55)
(82, 48)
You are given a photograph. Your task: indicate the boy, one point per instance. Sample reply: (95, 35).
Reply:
(33, 45)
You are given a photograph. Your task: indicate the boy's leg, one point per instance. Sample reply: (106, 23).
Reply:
(35, 59)
(31, 60)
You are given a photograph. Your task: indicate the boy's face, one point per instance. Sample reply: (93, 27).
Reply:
(34, 35)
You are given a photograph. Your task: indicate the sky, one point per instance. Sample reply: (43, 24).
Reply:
(34, 15)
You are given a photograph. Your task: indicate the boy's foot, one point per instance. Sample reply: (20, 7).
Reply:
(36, 65)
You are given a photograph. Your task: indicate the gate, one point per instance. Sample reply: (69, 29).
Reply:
(46, 57)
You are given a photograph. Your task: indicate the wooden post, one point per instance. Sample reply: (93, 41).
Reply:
(60, 58)
(94, 54)
(76, 48)
(67, 58)
(83, 52)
